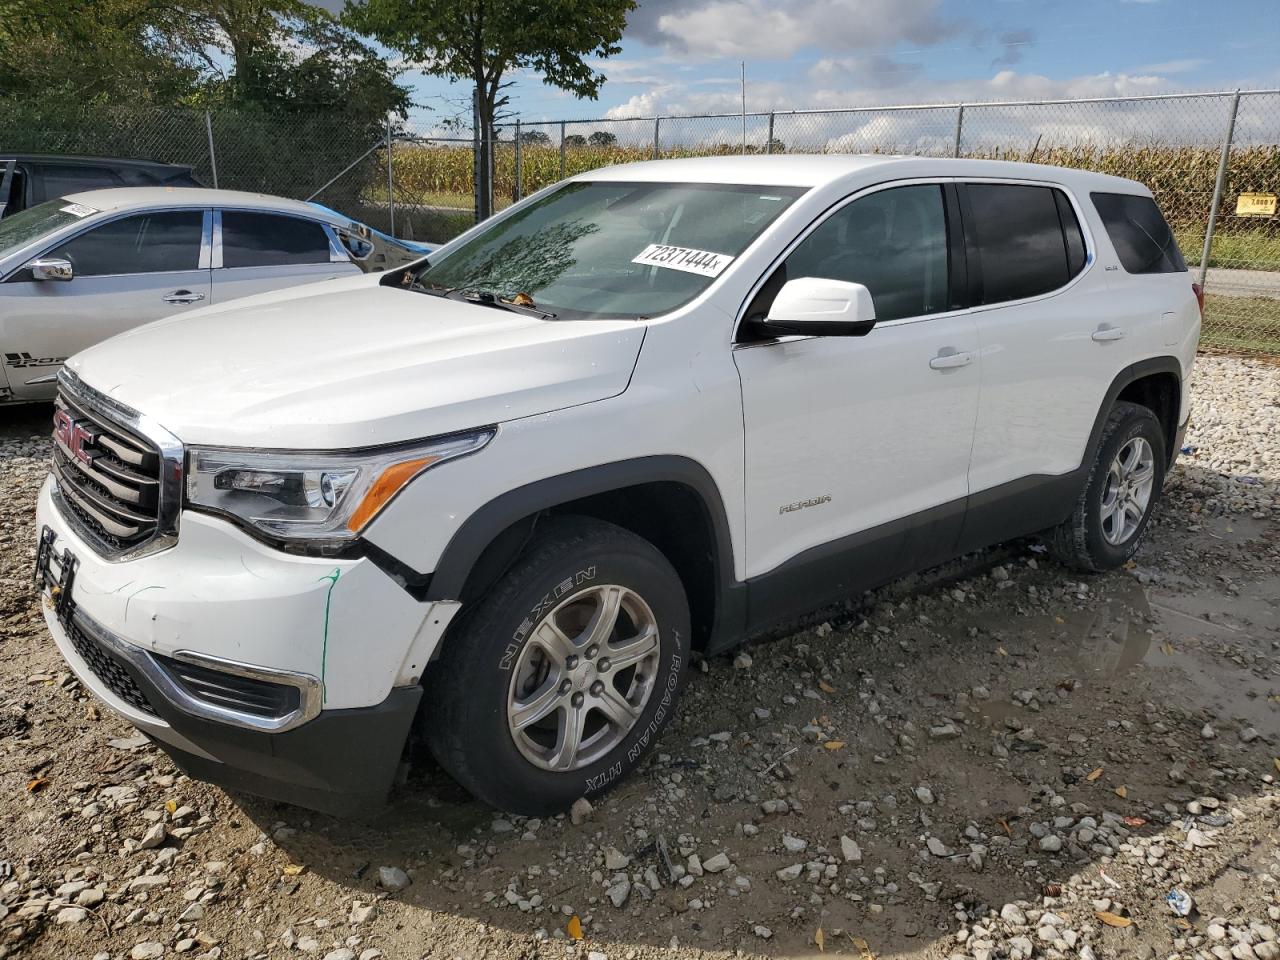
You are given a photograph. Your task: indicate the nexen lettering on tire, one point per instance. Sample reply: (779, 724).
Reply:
(548, 601)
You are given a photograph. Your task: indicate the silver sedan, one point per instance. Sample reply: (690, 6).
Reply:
(84, 267)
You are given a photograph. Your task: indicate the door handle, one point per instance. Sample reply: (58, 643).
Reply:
(183, 296)
(1105, 333)
(949, 361)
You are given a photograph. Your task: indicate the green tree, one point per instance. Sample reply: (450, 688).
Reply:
(602, 138)
(482, 41)
(97, 51)
(575, 140)
(537, 138)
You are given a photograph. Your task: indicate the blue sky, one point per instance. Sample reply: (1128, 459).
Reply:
(682, 56)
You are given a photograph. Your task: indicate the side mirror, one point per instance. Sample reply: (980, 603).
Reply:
(51, 268)
(815, 307)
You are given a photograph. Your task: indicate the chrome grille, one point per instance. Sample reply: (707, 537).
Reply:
(119, 478)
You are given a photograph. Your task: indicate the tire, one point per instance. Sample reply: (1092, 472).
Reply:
(513, 658)
(1097, 536)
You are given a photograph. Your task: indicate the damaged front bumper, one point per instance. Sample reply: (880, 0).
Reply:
(290, 677)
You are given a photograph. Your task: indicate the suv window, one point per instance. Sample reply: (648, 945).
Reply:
(1027, 238)
(58, 180)
(146, 243)
(1143, 241)
(268, 240)
(892, 241)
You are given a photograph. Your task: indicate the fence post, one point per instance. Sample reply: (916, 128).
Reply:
(213, 157)
(768, 143)
(561, 149)
(959, 127)
(519, 191)
(391, 183)
(1218, 185)
(656, 125)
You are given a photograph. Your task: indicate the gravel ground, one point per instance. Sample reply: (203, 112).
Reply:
(997, 760)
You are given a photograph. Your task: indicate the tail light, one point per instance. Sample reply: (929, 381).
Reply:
(1199, 292)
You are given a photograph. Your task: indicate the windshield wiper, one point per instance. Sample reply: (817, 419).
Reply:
(484, 298)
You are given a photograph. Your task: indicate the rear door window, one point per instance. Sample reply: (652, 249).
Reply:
(1143, 241)
(148, 243)
(271, 240)
(1026, 237)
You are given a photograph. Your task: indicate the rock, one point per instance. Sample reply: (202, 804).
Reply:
(742, 661)
(1248, 735)
(794, 844)
(924, 795)
(91, 897)
(938, 848)
(787, 874)
(130, 743)
(716, 864)
(360, 912)
(944, 731)
(619, 892)
(1012, 913)
(71, 915)
(342, 953)
(615, 859)
(193, 913)
(147, 950)
(1207, 732)
(154, 837)
(581, 811)
(1198, 838)
(392, 878)
(1051, 843)
(850, 850)
(761, 931)
(597, 955)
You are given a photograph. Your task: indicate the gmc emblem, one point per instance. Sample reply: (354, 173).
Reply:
(74, 435)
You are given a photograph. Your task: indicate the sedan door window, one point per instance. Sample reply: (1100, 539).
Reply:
(147, 243)
(269, 240)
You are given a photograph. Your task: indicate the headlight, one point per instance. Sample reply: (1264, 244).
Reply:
(324, 499)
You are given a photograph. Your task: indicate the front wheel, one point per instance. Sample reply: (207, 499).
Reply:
(1124, 483)
(565, 673)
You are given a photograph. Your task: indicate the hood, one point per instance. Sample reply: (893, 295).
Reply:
(350, 363)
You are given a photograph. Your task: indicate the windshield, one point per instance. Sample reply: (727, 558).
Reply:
(609, 250)
(22, 228)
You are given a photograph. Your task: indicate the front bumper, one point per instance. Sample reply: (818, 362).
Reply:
(344, 643)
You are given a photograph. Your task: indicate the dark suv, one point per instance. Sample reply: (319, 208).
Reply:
(31, 178)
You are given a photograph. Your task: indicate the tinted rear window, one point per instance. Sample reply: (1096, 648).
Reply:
(1138, 231)
(1028, 239)
(269, 240)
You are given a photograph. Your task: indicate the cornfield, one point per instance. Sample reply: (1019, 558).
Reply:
(1182, 178)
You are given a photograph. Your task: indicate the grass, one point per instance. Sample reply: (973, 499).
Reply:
(1244, 248)
(1242, 324)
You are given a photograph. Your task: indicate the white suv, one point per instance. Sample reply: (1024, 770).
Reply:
(645, 413)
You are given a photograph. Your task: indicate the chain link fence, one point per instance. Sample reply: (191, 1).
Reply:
(1203, 155)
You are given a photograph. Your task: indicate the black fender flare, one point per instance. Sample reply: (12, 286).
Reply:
(464, 549)
(1131, 374)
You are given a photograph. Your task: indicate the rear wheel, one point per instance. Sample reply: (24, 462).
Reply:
(565, 673)
(1124, 483)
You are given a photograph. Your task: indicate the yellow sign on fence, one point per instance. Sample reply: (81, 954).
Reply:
(1256, 205)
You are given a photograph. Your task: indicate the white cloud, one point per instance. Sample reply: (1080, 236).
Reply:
(1175, 66)
(835, 86)
(779, 28)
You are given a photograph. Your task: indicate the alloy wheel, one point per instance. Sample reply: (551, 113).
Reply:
(1127, 493)
(583, 678)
